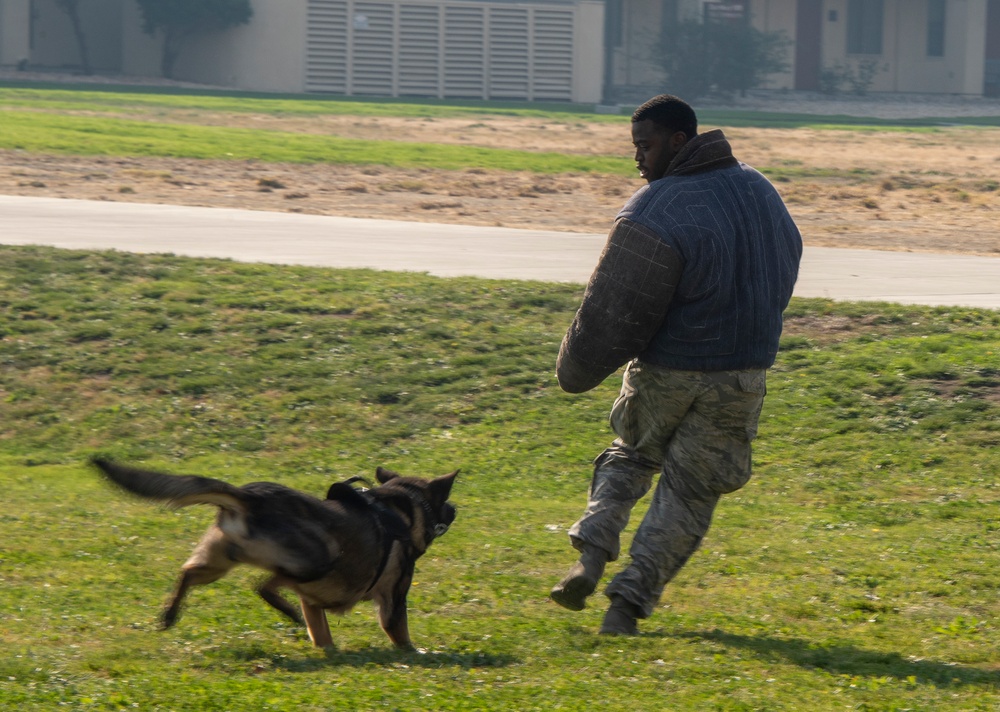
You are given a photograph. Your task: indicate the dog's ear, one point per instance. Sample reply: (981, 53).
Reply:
(383, 475)
(441, 487)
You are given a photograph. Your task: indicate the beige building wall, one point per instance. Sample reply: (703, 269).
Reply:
(960, 70)
(54, 44)
(140, 52)
(633, 61)
(970, 33)
(15, 41)
(588, 54)
(267, 54)
(777, 16)
(903, 64)
(271, 52)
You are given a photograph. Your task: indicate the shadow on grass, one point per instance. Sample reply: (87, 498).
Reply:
(849, 660)
(387, 657)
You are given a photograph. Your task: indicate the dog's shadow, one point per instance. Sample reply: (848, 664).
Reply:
(380, 657)
(851, 660)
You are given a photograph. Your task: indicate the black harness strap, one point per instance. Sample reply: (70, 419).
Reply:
(391, 528)
(387, 522)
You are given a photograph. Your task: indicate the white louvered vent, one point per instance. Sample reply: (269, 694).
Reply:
(553, 56)
(440, 48)
(373, 48)
(464, 51)
(419, 50)
(326, 46)
(509, 53)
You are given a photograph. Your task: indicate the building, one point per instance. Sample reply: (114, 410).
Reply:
(916, 46)
(583, 51)
(463, 49)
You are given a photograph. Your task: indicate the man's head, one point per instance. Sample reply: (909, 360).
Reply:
(660, 128)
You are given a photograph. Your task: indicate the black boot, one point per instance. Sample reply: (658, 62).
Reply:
(620, 618)
(582, 579)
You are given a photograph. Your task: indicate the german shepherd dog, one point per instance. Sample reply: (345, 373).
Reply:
(356, 545)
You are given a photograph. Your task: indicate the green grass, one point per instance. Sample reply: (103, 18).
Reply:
(128, 99)
(139, 123)
(40, 132)
(123, 99)
(857, 570)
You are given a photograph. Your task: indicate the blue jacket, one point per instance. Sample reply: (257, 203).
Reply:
(741, 252)
(695, 275)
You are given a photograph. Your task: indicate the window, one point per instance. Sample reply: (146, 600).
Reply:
(864, 27)
(935, 28)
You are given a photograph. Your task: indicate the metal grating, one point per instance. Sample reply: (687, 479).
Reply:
(326, 46)
(439, 48)
(372, 48)
(464, 52)
(509, 53)
(419, 50)
(553, 55)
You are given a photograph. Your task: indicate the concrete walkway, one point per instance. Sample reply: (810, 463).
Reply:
(454, 250)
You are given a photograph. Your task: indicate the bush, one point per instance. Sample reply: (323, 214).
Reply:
(857, 76)
(700, 57)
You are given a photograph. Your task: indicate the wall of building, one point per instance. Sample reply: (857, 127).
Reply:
(53, 43)
(15, 40)
(533, 51)
(349, 47)
(266, 54)
(960, 70)
(634, 59)
(777, 16)
(140, 52)
(903, 65)
(588, 52)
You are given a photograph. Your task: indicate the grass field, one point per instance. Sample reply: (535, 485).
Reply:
(104, 124)
(126, 100)
(857, 570)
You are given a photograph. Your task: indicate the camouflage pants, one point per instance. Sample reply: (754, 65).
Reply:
(692, 427)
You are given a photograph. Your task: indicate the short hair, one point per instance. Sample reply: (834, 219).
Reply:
(670, 112)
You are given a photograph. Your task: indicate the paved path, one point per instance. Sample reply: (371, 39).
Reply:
(453, 250)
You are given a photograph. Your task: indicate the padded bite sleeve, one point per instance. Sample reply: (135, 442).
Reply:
(622, 309)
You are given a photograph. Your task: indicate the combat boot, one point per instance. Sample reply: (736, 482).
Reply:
(582, 579)
(620, 618)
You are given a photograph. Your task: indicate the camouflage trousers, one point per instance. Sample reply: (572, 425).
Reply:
(695, 429)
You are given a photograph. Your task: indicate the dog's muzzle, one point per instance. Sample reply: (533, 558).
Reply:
(447, 517)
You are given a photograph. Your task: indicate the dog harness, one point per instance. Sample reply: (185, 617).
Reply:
(388, 523)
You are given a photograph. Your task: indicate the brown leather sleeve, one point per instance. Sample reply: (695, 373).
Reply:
(623, 307)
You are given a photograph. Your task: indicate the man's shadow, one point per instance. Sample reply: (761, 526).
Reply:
(850, 660)
(380, 657)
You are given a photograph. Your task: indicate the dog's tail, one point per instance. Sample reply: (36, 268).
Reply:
(175, 490)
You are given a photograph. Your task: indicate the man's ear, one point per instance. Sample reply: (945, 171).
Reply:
(677, 140)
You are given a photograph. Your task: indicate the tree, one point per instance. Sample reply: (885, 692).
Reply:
(180, 20)
(699, 57)
(72, 10)
(747, 56)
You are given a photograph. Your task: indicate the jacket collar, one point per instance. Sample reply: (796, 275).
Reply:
(705, 152)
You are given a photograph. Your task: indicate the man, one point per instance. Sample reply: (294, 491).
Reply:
(689, 292)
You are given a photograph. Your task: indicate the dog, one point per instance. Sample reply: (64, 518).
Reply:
(356, 545)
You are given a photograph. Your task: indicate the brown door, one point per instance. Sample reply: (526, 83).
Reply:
(808, 31)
